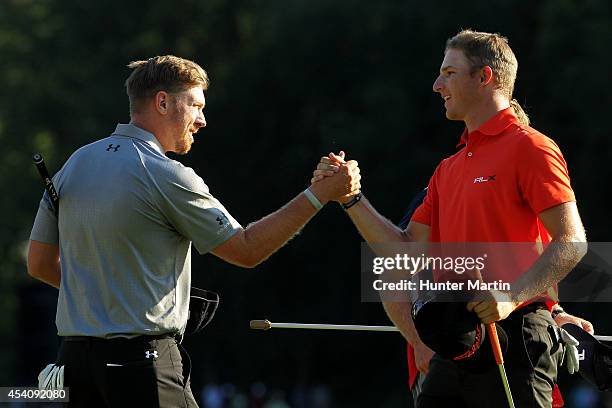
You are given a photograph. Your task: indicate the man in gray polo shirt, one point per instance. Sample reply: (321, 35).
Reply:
(119, 249)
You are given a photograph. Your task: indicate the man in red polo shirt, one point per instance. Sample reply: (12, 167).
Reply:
(507, 183)
(416, 375)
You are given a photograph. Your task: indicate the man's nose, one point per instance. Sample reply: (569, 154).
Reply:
(437, 85)
(201, 121)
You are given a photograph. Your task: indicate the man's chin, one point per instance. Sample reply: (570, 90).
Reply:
(452, 115)
(184, 148)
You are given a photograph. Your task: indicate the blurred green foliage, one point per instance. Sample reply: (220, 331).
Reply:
(291, 81)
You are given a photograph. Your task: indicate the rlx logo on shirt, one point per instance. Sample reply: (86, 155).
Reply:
(483, 179)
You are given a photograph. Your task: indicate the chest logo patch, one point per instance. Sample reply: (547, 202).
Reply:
(484, 179)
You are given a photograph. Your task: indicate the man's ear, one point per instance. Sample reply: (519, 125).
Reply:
(162, 100)
(486, 75)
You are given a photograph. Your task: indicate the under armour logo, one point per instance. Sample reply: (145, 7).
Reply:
(221, 220)
(115, 148)
(150, 354)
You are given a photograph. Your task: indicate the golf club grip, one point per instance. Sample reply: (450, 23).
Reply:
(44, 175)
(492, 331)
(260, 324)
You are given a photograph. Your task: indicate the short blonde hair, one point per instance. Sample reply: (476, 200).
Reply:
(483, 49)
(162, 73)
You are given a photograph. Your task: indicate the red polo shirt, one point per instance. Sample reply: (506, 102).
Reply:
(494, 187)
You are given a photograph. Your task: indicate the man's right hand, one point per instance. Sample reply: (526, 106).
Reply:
(422, 356)
(342, 178)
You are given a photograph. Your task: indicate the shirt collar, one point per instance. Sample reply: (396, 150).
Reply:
(130, 130)
(494, 126)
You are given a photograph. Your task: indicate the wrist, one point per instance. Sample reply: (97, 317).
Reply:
(420, 347)
(514, 298)
(317, 194)
(418, 344)
(556, 311)
(352, 201)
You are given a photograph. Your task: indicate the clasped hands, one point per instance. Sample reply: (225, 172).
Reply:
(335, 179)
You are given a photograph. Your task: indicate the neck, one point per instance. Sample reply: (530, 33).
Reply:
(485, 112)
(150, 126)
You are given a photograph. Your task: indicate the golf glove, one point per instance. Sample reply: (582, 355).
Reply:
(570, 352)
(51, 378)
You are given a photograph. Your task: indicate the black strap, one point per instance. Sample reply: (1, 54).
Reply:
(353, 201)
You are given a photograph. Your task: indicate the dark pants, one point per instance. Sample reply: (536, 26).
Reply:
(531, 364)
(139, 372)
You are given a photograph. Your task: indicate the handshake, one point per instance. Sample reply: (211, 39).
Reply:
(335, 179)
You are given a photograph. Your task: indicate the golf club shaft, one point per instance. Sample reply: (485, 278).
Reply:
(603, 338)
(333, 327)
(262, 325)
(504, 377)
(499, 359)
(266, 325)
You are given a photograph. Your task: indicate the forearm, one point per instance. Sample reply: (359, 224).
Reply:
(44, 263)
(49, 274)
(561, 317)
(265, 236)
(399, 313)
(557, 260)
(372, 226)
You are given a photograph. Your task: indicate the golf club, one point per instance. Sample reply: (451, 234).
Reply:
(267, 325)
(499, 359)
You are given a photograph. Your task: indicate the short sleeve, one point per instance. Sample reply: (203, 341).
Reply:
(45, 224)
(543, 177)
(423, 214)
(194, 212)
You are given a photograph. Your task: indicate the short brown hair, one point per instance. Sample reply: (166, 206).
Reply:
(483, 49)
(162, 73)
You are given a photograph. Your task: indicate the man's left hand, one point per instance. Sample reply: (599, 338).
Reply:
(492, 306)
(564, 317)
(570, 356)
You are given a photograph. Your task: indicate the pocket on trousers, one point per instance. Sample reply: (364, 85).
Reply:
(131, 384)
(127, 371)
(130, 364)
(536, 340)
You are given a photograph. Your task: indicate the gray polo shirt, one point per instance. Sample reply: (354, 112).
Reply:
(128, 215)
